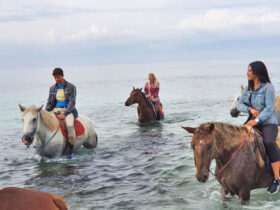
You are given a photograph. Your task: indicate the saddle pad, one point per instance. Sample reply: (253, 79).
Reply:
(258, 149)
(79, 129)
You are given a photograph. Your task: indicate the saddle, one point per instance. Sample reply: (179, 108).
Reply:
(79, 128)
(156, 111)
(258, 149)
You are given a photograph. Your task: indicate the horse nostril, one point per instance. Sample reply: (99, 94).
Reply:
(205, 177)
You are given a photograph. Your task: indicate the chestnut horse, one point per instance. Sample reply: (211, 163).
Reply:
(146, 111)
(25, 199)
(220, 141)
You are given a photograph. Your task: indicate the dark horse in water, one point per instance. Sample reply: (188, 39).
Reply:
(147, 112)
(238, 173)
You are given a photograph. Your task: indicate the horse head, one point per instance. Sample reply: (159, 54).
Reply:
(202, 145)
(30, 117)
(233, 111)
(134, 96)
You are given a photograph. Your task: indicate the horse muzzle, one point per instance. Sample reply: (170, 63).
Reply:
(202, 176)
(27, 139)
(127, 104)
(234, 113)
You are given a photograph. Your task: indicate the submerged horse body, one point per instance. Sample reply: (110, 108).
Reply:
(44, 128)
(235, 113)
(147, 111)
(220, 141)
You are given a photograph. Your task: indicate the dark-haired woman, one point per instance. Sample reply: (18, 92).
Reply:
(258, 101)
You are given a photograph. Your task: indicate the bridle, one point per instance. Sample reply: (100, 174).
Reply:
(33, 132)
(32, 135)
(232, 158)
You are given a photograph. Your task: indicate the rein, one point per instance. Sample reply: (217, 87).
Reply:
(40, 148)
(234, 155)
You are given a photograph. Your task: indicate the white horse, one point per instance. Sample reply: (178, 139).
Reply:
(44, 128)
(235, 113)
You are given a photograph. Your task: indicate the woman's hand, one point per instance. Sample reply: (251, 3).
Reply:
(254, 112)
(251, 123)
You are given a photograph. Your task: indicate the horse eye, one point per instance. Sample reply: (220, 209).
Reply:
(34, 120)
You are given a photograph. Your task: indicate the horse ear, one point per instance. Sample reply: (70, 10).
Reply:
(141, 89)
(210, 127)
(38, 109)
(22, 108)
(189, 129)
(133, 88)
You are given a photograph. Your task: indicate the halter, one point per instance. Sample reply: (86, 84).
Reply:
(33, 132)
(232, 158)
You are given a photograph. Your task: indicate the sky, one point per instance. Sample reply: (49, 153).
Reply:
(47, 33)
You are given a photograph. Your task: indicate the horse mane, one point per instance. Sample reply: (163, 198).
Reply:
(31, 108)
(231, 134)
(149, 104)
(49, 120)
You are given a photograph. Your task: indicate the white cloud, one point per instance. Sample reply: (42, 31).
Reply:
(231, 20)
(55, 21)
(51, 36)
(87, 34)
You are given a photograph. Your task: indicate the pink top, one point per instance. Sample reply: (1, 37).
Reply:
(153, 91)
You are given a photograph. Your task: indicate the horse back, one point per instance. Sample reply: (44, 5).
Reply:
(24, 199)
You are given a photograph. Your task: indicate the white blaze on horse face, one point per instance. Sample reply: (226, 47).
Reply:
(28, 122)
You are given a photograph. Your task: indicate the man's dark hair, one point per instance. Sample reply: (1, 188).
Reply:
(259, 69)
(57, 72)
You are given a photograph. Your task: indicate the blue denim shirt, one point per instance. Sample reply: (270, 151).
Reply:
(263, 99)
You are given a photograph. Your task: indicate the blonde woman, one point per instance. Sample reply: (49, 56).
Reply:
(151, 91)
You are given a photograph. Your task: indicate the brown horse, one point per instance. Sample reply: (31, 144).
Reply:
(25, 199)
(146, 110)
(220, 141)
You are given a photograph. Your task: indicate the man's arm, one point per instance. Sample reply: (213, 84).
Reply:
(72, 101)
(49, 104)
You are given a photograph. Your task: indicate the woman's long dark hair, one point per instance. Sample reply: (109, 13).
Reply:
(258, 69)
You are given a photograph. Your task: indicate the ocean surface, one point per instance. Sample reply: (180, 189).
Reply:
(133, 167)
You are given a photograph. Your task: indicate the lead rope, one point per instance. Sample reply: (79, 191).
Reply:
(232, 158)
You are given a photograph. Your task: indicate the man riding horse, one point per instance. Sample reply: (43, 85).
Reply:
(62, 100)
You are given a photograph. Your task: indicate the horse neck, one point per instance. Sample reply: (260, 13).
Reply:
(226, 141)
(143, 106)
(47, 125)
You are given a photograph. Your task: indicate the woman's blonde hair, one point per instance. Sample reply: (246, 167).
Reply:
(155, 79)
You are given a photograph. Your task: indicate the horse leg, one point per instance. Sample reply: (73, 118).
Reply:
(244, 195)
(224, 192)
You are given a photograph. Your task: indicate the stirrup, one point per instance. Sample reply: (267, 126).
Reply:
(71, 155)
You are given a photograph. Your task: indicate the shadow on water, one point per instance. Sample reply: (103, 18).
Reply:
(152, 129)
(51, 169)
